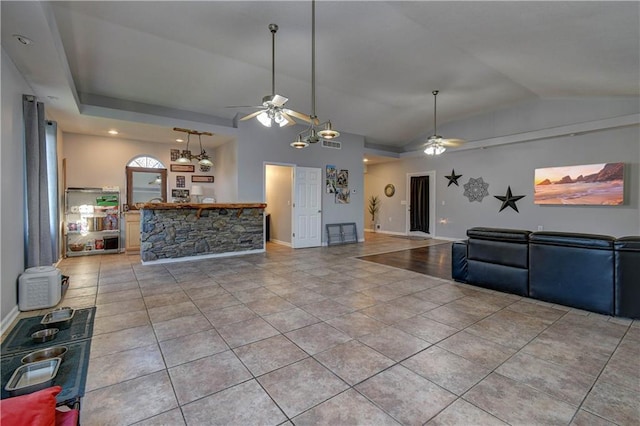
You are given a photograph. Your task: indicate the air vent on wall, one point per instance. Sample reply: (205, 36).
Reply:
(331, 144)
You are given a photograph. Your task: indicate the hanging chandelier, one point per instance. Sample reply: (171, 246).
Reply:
(311, 134)
(186, 156)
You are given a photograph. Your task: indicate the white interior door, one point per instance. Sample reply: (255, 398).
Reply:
(307, 208)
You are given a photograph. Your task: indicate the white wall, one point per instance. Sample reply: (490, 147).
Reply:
(257, 145)
(279, 187)
(12, 183)
(513, 165)
(96, 161)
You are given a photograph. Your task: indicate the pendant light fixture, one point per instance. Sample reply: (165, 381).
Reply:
(311, 135)
(186, 156)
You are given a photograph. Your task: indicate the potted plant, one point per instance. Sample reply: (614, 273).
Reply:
(374, 207)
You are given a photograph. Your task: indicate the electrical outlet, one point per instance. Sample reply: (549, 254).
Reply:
(540, 227)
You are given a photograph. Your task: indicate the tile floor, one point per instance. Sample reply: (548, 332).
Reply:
(316, 336)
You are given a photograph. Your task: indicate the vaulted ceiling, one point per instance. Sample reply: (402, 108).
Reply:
(377, 62)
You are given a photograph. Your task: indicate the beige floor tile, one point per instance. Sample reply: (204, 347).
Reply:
(446, 369)
(353, 362)
(129, 285)
(219, 301)
(269, 354)
(402, 393)
(454, 317)
(118, 296)
(270, 305)
(476, 349)
(357, 300)
(112, 323)
(463, 413)
(254, 294)
(517, 403)
(181, 326)
(394, 343)
(204, 292)
(118, 308)
(388, 314)
(168, 418)
(130, 401)
(229, 315)
(245, 332)
(243, 404)
(356, 324)
(426, 329)
(191, 347)
(613, 403)
(584, 418)
(301, 296)
(564, 383)
(111, 369)
(165, 299)
(317, 337)
(327, 309)
(300, 386)
(291, 320)
(118, 341)
(206, 376)
(508, 328)
(348, 408)
(176, 310)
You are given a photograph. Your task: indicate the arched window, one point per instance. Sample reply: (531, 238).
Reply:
(146, 162)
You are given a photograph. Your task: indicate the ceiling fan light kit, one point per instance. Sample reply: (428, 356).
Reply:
(272, 109)
(436, 144)
(312, 135)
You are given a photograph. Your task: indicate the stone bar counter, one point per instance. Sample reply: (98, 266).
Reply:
(172, 232)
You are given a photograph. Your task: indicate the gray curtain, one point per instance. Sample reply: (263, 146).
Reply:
(419, 217)
(39, 244)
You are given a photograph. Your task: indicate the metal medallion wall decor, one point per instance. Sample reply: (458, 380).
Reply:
(453, 178)
(509, 200)
(389, 190)
(476, 189)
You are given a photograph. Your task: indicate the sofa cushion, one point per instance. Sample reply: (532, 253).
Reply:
(499, 252)
(573, 240)
(34, 409)
(627, 287)
(499, 234)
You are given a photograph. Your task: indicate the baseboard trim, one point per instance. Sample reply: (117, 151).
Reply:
(8, 320)
(282, 243)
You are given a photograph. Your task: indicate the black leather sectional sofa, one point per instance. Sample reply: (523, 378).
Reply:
(596, 273)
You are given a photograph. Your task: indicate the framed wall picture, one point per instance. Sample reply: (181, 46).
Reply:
(180, 193)
(175, 154)
(201, 178)
(599, 184)
(188, 168)
(180, 181)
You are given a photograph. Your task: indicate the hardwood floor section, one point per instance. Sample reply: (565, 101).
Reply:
(434, 260)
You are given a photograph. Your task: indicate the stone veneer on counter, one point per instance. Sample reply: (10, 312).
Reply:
(185, 231)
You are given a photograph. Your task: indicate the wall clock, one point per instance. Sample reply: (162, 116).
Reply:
(389, 190)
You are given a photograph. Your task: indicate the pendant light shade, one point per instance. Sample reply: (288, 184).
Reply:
(328, 132)
(299, 143)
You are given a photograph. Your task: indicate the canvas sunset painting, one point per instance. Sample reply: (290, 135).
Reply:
(589, 184)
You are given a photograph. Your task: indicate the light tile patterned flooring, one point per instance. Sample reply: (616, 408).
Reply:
(315, 336)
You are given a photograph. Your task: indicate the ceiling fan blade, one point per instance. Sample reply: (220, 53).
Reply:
(279, 101)
(299, 115)
(290, 121)
(250, 116)
(452, 143)
(244, 106)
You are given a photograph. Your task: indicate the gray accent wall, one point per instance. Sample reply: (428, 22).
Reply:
(258, 145)
(12, 210)
(514, 165)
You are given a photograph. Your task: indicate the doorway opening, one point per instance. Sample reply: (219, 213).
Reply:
(421, 203)
(278, 194)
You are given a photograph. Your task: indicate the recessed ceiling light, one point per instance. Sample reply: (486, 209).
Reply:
(113, 132)
(22, 39)
(365, 160)
(179, 140)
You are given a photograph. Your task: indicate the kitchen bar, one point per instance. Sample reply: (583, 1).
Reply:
(172, 232)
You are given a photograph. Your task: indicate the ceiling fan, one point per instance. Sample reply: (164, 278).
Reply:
(436, 144)
(272, 109)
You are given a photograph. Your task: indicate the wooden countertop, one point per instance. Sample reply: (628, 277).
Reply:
(200, 206)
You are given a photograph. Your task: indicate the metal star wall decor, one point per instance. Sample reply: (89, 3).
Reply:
(509, 200)
(476, 189)
(453, 178)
